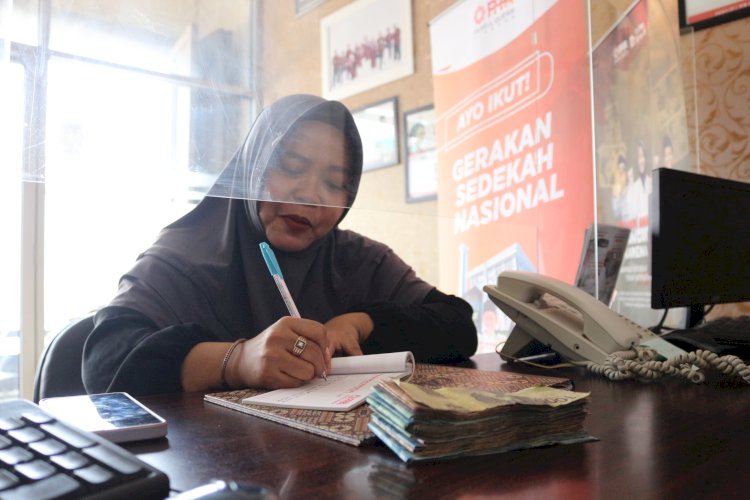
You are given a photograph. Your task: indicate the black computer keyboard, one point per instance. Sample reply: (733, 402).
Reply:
(725, 335)
(42, 457)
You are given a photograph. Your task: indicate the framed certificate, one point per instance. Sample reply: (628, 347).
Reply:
(699, 14)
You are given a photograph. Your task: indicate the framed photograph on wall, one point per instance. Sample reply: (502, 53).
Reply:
(365, 44)
(378, 127)
(699, 14)
(421, 154)
(303, 6)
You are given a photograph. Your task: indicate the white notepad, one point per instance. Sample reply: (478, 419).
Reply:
(348, 385)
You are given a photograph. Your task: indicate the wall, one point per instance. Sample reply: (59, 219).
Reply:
(722, 86)
(716, 66)
(719, 60)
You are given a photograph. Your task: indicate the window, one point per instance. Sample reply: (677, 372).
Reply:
(11, 128)
(136, 108)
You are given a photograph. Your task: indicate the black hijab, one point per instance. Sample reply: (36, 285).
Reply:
(206, 268)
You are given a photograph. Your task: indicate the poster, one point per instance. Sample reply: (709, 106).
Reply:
(513, 123)
(640, 124)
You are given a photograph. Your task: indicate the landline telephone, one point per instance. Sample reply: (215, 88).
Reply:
(551, 313)
(567, 319)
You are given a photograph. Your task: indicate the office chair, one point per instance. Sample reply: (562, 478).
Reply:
(59, 371)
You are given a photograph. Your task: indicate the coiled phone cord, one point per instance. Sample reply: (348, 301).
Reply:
(640, 363)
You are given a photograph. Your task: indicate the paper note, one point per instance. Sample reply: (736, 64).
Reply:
(348, 385)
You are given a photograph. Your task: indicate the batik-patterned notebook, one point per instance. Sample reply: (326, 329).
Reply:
(351, 426)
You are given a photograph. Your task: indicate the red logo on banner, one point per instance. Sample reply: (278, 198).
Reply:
(491, 8)
(480, 14)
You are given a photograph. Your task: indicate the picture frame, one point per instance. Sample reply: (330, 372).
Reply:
(365, 44)
(378, 127)
(305, 6)
(699, 15)
(420, 154)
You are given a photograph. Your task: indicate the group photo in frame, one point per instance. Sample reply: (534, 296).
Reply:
(365, 44)
(378, 127)
(420, 142)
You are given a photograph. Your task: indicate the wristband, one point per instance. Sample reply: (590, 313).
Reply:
(225, 362)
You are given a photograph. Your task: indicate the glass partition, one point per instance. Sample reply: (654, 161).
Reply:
(126, 129)
(121, 141)
(11, 135)
(117, 117)
(546, 119)
(205, 40)
(19, 22)
(640, 102)
(11, 130)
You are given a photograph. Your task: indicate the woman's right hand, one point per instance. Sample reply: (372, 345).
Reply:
(268, 360)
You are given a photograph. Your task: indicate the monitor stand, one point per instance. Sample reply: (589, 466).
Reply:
(695, 315)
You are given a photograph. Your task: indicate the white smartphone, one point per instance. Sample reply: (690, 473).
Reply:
(116, 416)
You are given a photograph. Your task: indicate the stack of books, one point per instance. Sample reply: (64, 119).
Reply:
(423, 423)
(319, 407)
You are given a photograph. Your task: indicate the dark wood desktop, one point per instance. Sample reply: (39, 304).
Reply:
(666, 439)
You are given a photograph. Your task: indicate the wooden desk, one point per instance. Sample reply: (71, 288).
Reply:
(668, 439)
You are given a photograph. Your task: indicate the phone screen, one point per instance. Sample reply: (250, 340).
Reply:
(101, 411)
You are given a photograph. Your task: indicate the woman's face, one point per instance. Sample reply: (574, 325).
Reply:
(309, 178)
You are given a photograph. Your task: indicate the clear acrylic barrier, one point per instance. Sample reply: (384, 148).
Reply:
(159, 106)
(163, 102)
(130, 110)
(643, 121)
(206, 41)
(11, 83)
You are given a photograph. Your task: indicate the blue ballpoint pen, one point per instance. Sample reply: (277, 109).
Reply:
(278, 278)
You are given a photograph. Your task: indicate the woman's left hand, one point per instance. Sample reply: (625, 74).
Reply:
(347, 331)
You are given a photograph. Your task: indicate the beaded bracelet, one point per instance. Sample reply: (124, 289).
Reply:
(225, 362)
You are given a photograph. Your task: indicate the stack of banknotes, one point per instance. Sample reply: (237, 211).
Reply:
(426, 424)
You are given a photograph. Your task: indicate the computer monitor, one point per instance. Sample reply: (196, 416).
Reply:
(700, 238)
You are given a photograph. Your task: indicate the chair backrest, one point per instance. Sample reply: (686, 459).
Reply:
(59, 371)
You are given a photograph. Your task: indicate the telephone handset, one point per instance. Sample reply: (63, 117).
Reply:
(562, 317)
(552, 314)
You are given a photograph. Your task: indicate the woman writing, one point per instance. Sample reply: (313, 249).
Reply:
(200, 311)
